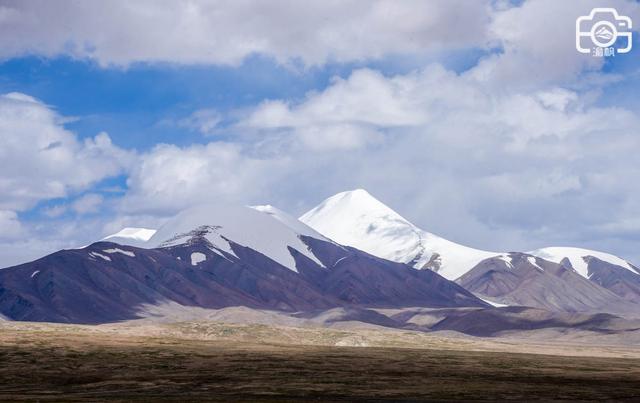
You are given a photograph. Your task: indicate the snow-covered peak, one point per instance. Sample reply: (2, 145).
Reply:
(243, 225)
(348, 204)
(579, 258)
(290, 221)
(358, 219)
(136, 234)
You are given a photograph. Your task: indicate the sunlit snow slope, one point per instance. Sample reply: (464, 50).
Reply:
(137, 234)
(579, 258)
(244, 226)
(355, 218)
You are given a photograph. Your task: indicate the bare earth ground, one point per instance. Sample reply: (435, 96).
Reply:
(148, 360)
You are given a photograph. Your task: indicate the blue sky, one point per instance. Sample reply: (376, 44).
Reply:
(131, 102)
(463, 123)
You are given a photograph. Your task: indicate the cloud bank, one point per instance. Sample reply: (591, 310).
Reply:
(514, 153)
(122, 32)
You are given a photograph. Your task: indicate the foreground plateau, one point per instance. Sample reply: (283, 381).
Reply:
(151, 359)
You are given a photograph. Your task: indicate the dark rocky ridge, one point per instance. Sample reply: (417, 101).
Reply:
(91, 285)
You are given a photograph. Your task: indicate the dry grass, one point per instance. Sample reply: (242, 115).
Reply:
(213, 361)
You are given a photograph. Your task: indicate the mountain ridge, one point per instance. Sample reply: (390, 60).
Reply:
(358, 219)
(214, 257)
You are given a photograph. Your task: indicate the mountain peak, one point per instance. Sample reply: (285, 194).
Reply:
(355, 195)
(349, 204)
(264, 229)
(360, 192)
(356, 218)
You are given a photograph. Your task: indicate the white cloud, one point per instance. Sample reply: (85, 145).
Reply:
(537, 38)
(10, 226)
(204, 121)
(512, 170)
(42, 160)
(225, 32)
(389, 103)
(557, 98)
(450, 108)
(55, 211)
(356, 112)
(513, 154)
(538, 42)
(89, 203)
(169, 178)
(38, 238)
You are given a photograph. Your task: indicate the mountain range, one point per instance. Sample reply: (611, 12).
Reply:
(351, 252)
(214, 257)
(556, 278)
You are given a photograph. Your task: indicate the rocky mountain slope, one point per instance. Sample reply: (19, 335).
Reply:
(214, 257)
(560, 279)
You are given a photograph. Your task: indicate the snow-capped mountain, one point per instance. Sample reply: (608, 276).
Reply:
(578, 259)
(526, 280)
(131, 235)
(257, 228)
(358, 219)
(215, 256)
(609, 271)
(549, 278)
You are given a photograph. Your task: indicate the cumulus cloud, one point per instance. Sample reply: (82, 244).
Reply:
(353, 113)
(225, 32)
(538, 43)
(204, 121)
(512, 170)
(169, 177)
(513, 154)
(368, 102)
(536, 38)
(42, 160)
(39, 238)
(54, 211)
(10, 226)
(89, 203)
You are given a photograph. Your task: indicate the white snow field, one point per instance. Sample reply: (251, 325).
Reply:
(355, 218)
(245, 226)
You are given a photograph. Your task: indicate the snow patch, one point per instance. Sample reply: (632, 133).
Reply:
(197, 257)
(579, 257)
(495, 304)
(35, 273)
(136, 234)
(507, 260)
(118, 250)
(96, 254)
(533, 262)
